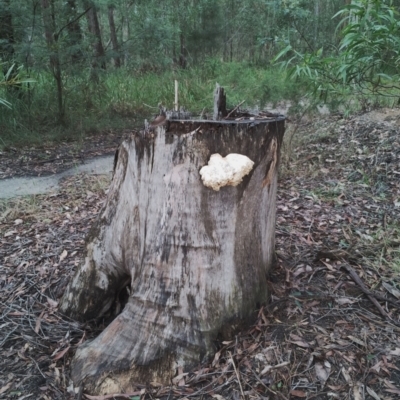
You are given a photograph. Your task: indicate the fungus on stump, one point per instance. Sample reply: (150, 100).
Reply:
(196, 258)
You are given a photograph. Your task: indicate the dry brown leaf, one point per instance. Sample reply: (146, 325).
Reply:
(372, 393)
(393, 291)
(356, 340)
(216, 358)
(298, 393)
(63, 255)
(112, 396)
(395, 391)
(6, 387)
(218, 397)
(61, 354)
(395, 352)
(346, 375)
(357, 391)
(52, 302)
(37, 325)
(322, 371)
(345, 300)
(300, 343)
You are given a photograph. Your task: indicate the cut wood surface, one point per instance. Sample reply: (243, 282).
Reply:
(195, 260)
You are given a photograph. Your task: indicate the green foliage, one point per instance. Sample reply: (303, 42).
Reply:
(123, 98)
(12, 79)
(90, 79)
(367, 60)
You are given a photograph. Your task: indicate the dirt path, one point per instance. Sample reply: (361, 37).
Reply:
(24, 186)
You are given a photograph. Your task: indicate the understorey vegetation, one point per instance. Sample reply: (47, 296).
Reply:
(81, 66)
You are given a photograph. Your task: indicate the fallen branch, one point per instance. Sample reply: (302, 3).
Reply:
(271, 367)
(231, 112)
(372, 296)
(112, 396)
(237, 374)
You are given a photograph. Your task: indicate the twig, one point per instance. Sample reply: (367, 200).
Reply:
(237, 374)
(365, 290)
(112, 396)
(234, 109)
(80, 393)
(37, 366)
(176, 104)
(271, 367)
(150, 106)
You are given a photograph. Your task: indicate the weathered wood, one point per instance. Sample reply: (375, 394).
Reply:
(195, 259)
(219, 103)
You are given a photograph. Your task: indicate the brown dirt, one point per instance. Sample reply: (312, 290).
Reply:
(332, 327)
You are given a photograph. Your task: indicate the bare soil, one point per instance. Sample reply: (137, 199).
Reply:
(332, 327)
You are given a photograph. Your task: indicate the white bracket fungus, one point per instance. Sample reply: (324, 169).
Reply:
(225, 171)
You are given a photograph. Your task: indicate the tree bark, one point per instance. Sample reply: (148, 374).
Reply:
(74, 31)
(6, 31)
(52, 46)
(195, 260)
(99, 59)
(113, 36)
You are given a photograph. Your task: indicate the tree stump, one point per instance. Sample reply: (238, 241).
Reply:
(195, 259)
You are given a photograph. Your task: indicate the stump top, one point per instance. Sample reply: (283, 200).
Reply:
(242, 120)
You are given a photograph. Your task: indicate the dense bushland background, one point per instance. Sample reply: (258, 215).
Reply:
(74, 67)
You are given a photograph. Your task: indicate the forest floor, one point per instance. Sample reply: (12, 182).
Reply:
(332, 328)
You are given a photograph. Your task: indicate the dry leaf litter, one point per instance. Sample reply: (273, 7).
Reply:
(332, 328)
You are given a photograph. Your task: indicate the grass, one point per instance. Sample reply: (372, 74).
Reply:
(123, 98)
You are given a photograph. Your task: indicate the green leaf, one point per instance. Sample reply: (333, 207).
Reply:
(5, 103)
(282, 53)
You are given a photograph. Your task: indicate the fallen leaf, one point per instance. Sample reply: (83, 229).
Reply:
(18, 221)
(377, 366)
(218, 397)
(346, 375)
(393, 291)
(61, 354)
(395, 391)
(356, 340)
(395, 352)
(300, 343)
(37, 325)
(216, 358)
(372, 393)
(357, 391)
(63, 255)
(5, 387)
(9, 233)
(345, 300)
(298, 393)
(52, 302)
(322, 371)
(112, 396)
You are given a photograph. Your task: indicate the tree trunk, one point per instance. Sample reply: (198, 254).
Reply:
(6, 31)
(114, 39)
(52, 46)
(99, 59)
(7, 49)
(195, 259)
(74, 32)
